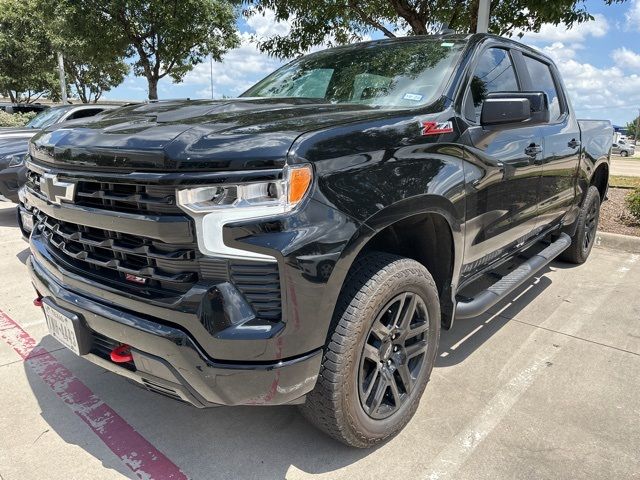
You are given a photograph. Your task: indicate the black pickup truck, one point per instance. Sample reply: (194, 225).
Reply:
(306, 242)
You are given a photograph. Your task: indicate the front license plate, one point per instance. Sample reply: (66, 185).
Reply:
(62, 327)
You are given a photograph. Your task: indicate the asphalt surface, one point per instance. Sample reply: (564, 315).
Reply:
(543, 387)
(627, 167)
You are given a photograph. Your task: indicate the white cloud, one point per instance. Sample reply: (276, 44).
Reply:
(596, 92)
(241, 67)
(265, 24)
(560, 52)
(608, 92)
(560, 33)
(633, 16)
(626, 59)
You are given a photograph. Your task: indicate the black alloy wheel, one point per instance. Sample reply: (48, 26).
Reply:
(590, 226)
(393, 355)
(586, 229)
(380, 351)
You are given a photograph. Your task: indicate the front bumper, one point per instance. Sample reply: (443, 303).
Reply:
(167, 360)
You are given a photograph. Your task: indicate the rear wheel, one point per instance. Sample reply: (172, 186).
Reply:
(381, 351)
(586, 230)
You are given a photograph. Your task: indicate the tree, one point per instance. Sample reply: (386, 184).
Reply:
(632, 128)
(169, 37)
(94, 52)
(342, 21)
(27, 60)
(91, 78)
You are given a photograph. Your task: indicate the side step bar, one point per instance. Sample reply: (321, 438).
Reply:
(499, 290)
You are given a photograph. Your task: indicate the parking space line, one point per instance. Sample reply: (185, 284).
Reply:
(144, 460)
(456, 453)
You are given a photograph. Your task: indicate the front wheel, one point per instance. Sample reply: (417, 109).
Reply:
(586, 230)
(380, 353)
(624, 153)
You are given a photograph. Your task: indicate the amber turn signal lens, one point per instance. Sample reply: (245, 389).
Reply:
(299, 181)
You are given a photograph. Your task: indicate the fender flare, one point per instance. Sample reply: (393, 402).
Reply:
(390, 215)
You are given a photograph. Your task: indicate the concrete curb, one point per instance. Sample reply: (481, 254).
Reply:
(615, 241)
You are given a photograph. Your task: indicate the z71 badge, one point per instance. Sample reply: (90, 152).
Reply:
(436, 128)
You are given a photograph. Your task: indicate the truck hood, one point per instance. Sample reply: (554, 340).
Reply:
(225, 135)
(11, 135)
(20, 145)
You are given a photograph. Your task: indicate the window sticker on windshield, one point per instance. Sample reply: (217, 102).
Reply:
(436, 128)
(412, 96)
(446, 44)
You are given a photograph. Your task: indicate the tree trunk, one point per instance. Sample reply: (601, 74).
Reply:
(153, 88)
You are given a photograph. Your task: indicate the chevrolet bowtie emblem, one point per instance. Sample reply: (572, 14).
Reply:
(57, 190)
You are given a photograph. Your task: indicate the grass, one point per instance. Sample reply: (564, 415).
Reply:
(624, 182)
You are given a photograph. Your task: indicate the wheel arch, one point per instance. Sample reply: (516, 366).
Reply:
(600, 178)
(414, 228)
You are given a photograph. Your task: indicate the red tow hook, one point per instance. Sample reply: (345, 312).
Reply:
(121, 354)
(37, 301)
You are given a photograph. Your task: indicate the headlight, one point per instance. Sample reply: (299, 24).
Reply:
(214, 206)
(16, 160)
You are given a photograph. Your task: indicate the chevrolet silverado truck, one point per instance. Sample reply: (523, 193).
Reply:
(306, 242)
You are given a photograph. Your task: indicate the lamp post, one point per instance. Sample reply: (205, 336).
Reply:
(63, 83)
(484, 9)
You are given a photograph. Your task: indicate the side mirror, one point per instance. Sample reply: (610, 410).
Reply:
(504, 108)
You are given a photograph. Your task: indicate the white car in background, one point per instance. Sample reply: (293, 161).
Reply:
(14, 142)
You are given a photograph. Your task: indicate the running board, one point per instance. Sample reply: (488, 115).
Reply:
(499, 290)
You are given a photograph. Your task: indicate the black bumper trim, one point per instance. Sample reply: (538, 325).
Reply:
(162, 351)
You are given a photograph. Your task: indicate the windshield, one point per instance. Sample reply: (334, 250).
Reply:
(46, 118)
(390, 75)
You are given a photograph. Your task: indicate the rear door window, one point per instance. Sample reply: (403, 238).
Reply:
(542, 78)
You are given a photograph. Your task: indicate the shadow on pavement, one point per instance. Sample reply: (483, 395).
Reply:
(241, 442)
(216, 443)
(8, 216)
(23, 255)
(468, 335)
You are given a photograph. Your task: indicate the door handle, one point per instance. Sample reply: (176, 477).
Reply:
(573, 143)
(533, 150)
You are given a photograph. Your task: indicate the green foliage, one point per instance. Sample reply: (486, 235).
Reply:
(632, 126)
(15, 119)
(27, 61)
(633, 203)
(165, 38)
(94, 53)
(344, 21)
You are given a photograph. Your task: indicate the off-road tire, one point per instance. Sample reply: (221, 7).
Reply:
(579, 250)
(334, 405)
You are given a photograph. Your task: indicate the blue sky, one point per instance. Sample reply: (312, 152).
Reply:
(600, 63)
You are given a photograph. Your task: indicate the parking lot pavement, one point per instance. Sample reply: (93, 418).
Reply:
(627, 167)
(542, 387)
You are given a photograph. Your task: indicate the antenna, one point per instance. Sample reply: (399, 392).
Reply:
(211, 75)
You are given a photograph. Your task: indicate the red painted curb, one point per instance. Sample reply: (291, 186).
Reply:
(138, 454)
